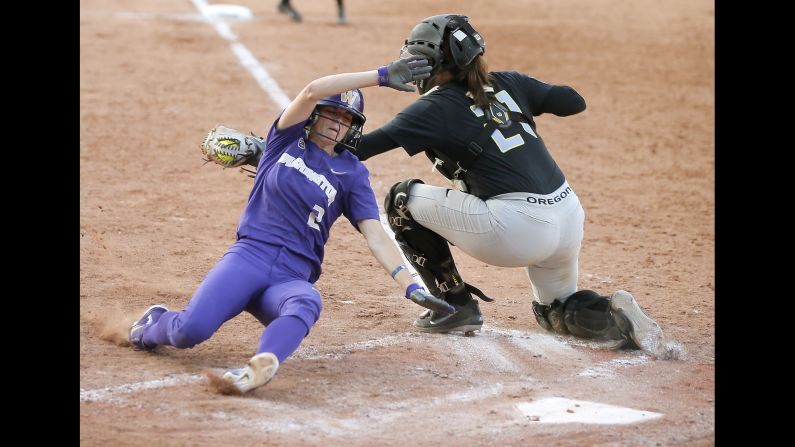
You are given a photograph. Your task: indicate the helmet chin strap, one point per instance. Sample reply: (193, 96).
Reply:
(421, 86)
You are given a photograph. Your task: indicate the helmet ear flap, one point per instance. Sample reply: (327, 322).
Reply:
(312, 120)
(465, 43)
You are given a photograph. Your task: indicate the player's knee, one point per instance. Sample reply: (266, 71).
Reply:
(306, 308)
(189, 335)
(395, 204)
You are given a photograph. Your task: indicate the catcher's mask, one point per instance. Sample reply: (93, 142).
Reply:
(352, 102)
(426, 39)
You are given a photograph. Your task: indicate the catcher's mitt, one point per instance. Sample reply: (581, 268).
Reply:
(230, 148)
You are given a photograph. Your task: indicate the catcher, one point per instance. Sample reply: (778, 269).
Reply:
(512, 205)
(306, 179)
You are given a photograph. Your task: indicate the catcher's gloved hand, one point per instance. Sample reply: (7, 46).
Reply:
(417, 294)
(230, 148)
(398, 73)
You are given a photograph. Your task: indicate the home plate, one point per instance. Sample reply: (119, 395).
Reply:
(559, 410)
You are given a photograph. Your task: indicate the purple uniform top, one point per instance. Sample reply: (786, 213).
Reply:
(299, 191)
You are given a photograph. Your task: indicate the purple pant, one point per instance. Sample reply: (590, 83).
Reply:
(264, 280)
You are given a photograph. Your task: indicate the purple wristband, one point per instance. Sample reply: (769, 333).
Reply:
(383, 77)
(412, 287)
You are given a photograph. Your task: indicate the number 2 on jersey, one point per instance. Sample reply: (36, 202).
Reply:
(315, 216)
(506, 143)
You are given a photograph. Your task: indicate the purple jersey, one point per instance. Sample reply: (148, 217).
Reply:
(298, 193)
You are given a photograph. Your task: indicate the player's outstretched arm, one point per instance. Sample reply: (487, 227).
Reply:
(387, 254)
(394, 75)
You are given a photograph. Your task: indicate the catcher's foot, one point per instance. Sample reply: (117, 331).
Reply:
(467, 319)
(150, 317)
(289, 11)
(643, 331)
(259, 371)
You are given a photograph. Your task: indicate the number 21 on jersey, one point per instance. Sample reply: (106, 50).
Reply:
(506, 143)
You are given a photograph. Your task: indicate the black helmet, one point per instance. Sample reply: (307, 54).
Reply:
(427, 36)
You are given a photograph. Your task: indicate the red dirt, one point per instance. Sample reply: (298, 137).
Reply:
(153, 221)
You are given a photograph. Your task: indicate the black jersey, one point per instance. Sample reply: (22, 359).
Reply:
(515, 159)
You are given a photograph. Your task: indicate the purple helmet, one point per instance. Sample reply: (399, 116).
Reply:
(351, 101)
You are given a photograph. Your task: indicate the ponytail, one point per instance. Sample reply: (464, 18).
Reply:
(474, 77)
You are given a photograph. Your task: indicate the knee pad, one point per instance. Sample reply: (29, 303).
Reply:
(587, 314)
(396, 205)
(427, 252)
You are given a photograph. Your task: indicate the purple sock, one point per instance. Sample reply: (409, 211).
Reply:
(283, 336)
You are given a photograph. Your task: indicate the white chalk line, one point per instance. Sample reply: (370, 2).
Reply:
(207, 13)
(310, 353)
(246, 58)
(110, 393)
(483, 352)
(286, 418)
(607, 369)
(481, 348)
(303, 353)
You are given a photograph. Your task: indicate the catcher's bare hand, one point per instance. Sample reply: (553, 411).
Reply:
(230, 148)
(428, 301)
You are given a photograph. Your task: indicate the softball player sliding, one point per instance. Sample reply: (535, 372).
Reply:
(306, 179)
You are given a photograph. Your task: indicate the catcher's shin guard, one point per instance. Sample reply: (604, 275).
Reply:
(427, 252)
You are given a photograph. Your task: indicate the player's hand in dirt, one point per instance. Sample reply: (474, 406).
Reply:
(420, 296)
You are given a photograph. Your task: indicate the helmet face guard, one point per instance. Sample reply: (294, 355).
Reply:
(352, 102)
(427, 37)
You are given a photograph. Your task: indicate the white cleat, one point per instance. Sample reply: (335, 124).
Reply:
(644, 331)
(259, 371)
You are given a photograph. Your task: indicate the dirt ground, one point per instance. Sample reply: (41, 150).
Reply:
(154, 78)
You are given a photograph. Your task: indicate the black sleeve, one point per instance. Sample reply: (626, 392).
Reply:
(420, 126)
(374, 143)
(562, 100)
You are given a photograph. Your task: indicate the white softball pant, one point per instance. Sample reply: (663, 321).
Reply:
(541, 233)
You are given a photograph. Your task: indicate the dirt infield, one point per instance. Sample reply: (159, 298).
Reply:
(154, 78)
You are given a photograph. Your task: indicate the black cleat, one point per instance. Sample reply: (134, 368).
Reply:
(467, 319)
